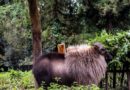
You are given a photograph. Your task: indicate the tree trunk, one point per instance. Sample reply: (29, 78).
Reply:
(36, 28)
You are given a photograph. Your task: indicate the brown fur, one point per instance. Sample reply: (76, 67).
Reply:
(82, 64)
(85, 65)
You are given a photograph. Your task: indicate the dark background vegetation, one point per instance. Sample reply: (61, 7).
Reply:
(69, 21)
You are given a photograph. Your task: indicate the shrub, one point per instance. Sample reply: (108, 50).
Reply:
(119, 46)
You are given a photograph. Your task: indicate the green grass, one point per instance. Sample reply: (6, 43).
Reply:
(18, 80)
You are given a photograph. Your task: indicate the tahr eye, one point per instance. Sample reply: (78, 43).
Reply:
(103, 51)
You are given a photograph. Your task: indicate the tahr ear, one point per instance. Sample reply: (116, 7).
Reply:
(98, 45)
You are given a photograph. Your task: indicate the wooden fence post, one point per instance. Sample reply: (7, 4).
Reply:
(128, 78)
(114, 78)
(122, 76)
(106, 81)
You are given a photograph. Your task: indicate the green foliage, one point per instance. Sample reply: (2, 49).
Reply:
(18, 80)
(76, 15)
(55, 86)
(68, 21)
(14, 30)
(21, 79)
(119, 46)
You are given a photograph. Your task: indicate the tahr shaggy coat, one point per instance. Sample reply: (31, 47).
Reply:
(83, 64)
